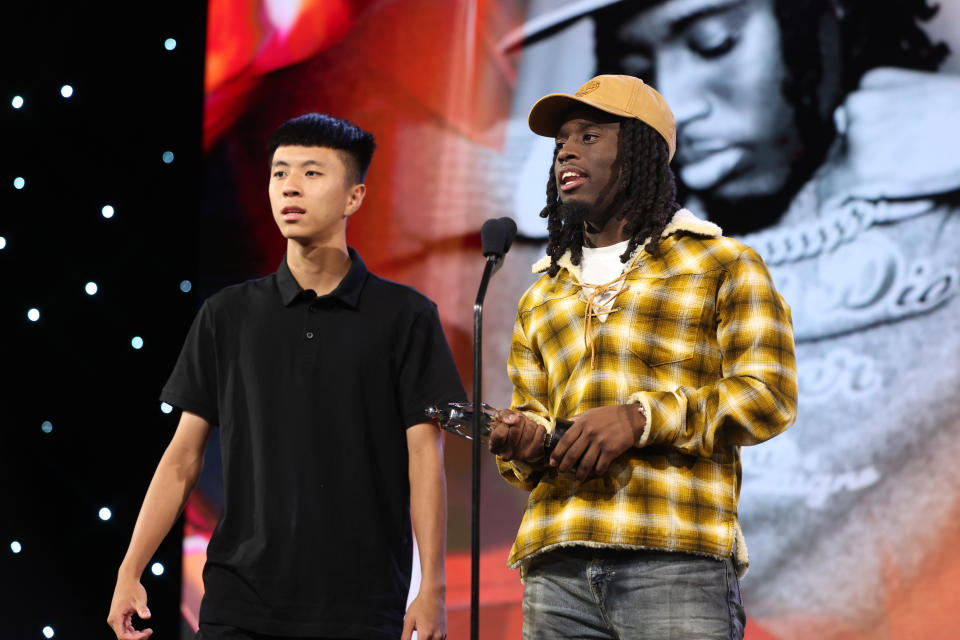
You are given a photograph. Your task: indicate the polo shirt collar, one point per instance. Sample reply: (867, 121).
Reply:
(348, 291)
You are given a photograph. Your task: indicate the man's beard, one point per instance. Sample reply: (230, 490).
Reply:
(573, 214)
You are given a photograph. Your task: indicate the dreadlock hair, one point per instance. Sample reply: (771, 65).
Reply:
(647, 193)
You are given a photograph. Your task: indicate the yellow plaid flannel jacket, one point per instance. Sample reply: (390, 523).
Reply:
(702, 339)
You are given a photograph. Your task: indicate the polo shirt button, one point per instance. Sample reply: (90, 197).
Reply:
(309, 335)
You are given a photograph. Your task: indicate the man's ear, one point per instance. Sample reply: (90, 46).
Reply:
(354, 199)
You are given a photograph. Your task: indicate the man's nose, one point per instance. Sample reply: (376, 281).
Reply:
(568, 151)
(291, 188)
(686, 93)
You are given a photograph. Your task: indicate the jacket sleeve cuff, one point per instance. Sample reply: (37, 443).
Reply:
(640, 398)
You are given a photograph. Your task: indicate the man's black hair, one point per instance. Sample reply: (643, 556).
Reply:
(647, 194)
(322, 130)
(870, 34)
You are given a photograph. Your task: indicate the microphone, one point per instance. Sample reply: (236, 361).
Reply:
(496, 236)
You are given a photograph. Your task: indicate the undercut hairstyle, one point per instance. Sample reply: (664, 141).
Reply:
(646, 197)
(355, 145)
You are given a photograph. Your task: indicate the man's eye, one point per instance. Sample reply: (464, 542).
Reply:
(711, 39)
(279, 174)
(559, 145)
(313, 173)
(590, 137)
(714, 50)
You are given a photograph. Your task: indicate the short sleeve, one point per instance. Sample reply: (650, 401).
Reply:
(193, 384)
(427, 373)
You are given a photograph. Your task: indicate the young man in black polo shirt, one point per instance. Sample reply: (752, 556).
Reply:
(317, 376)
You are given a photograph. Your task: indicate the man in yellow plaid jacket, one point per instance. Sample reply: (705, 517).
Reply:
(669, 348)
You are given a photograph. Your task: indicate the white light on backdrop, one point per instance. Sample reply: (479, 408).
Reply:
(91, 288)
(107, 211)
(169, 44)
(17, 102)
(46, 426)
(48, 632)
(168, 157)
(3, 243)
(157, 569)
(66, 91)
(105, 513)
(165, 408)
(16, 547)
(136, 342)
(185, 286)
(19, 183)
(33, 314)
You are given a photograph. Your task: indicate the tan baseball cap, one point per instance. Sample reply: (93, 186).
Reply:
(624, 96)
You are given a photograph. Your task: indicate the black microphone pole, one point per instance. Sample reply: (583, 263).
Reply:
(496, 237)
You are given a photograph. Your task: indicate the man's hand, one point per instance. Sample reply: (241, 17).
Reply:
(514, 436)
(879, 126)
(129, 597)
(427, 615)
(596, 438)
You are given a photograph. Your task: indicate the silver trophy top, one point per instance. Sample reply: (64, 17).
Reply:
(457, 417)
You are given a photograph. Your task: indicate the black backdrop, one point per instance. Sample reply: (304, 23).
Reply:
(75, 367)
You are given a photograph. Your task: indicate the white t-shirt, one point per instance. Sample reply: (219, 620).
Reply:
(601, 265)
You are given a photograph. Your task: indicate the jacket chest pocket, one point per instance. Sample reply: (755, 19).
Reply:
(668, 317)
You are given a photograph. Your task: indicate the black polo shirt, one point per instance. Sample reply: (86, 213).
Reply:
(313, 396)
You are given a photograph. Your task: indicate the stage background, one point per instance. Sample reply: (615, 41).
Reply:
(850, 515)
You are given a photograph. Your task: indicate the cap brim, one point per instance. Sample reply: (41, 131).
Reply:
(547, 113)
(550, 21)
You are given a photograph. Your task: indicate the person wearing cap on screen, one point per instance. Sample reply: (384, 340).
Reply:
(669, 348)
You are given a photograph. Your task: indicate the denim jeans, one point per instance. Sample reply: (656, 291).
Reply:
(605, 594)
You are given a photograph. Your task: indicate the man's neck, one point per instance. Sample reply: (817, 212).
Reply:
(318, 267)
(610, 233)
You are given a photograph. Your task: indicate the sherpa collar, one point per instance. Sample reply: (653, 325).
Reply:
(683, 220)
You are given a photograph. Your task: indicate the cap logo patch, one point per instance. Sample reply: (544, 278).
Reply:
(590, 87)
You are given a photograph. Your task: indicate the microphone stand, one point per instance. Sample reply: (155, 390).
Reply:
(493, 261)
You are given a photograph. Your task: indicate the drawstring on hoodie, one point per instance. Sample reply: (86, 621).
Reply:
(594, 310)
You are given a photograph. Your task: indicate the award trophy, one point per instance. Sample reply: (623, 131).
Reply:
(457, 418)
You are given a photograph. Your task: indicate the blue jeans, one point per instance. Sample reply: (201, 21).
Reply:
(613, 594)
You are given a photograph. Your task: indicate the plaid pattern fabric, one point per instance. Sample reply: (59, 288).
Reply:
(705, 343)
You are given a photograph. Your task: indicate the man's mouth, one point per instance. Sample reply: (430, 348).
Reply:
(292, 213)
(693, 151)
(571, 179)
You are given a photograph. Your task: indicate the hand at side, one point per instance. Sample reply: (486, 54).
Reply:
(129, 598)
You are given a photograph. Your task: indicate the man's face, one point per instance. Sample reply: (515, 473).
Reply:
(312, 193)
(586, 169)
(719, 67)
